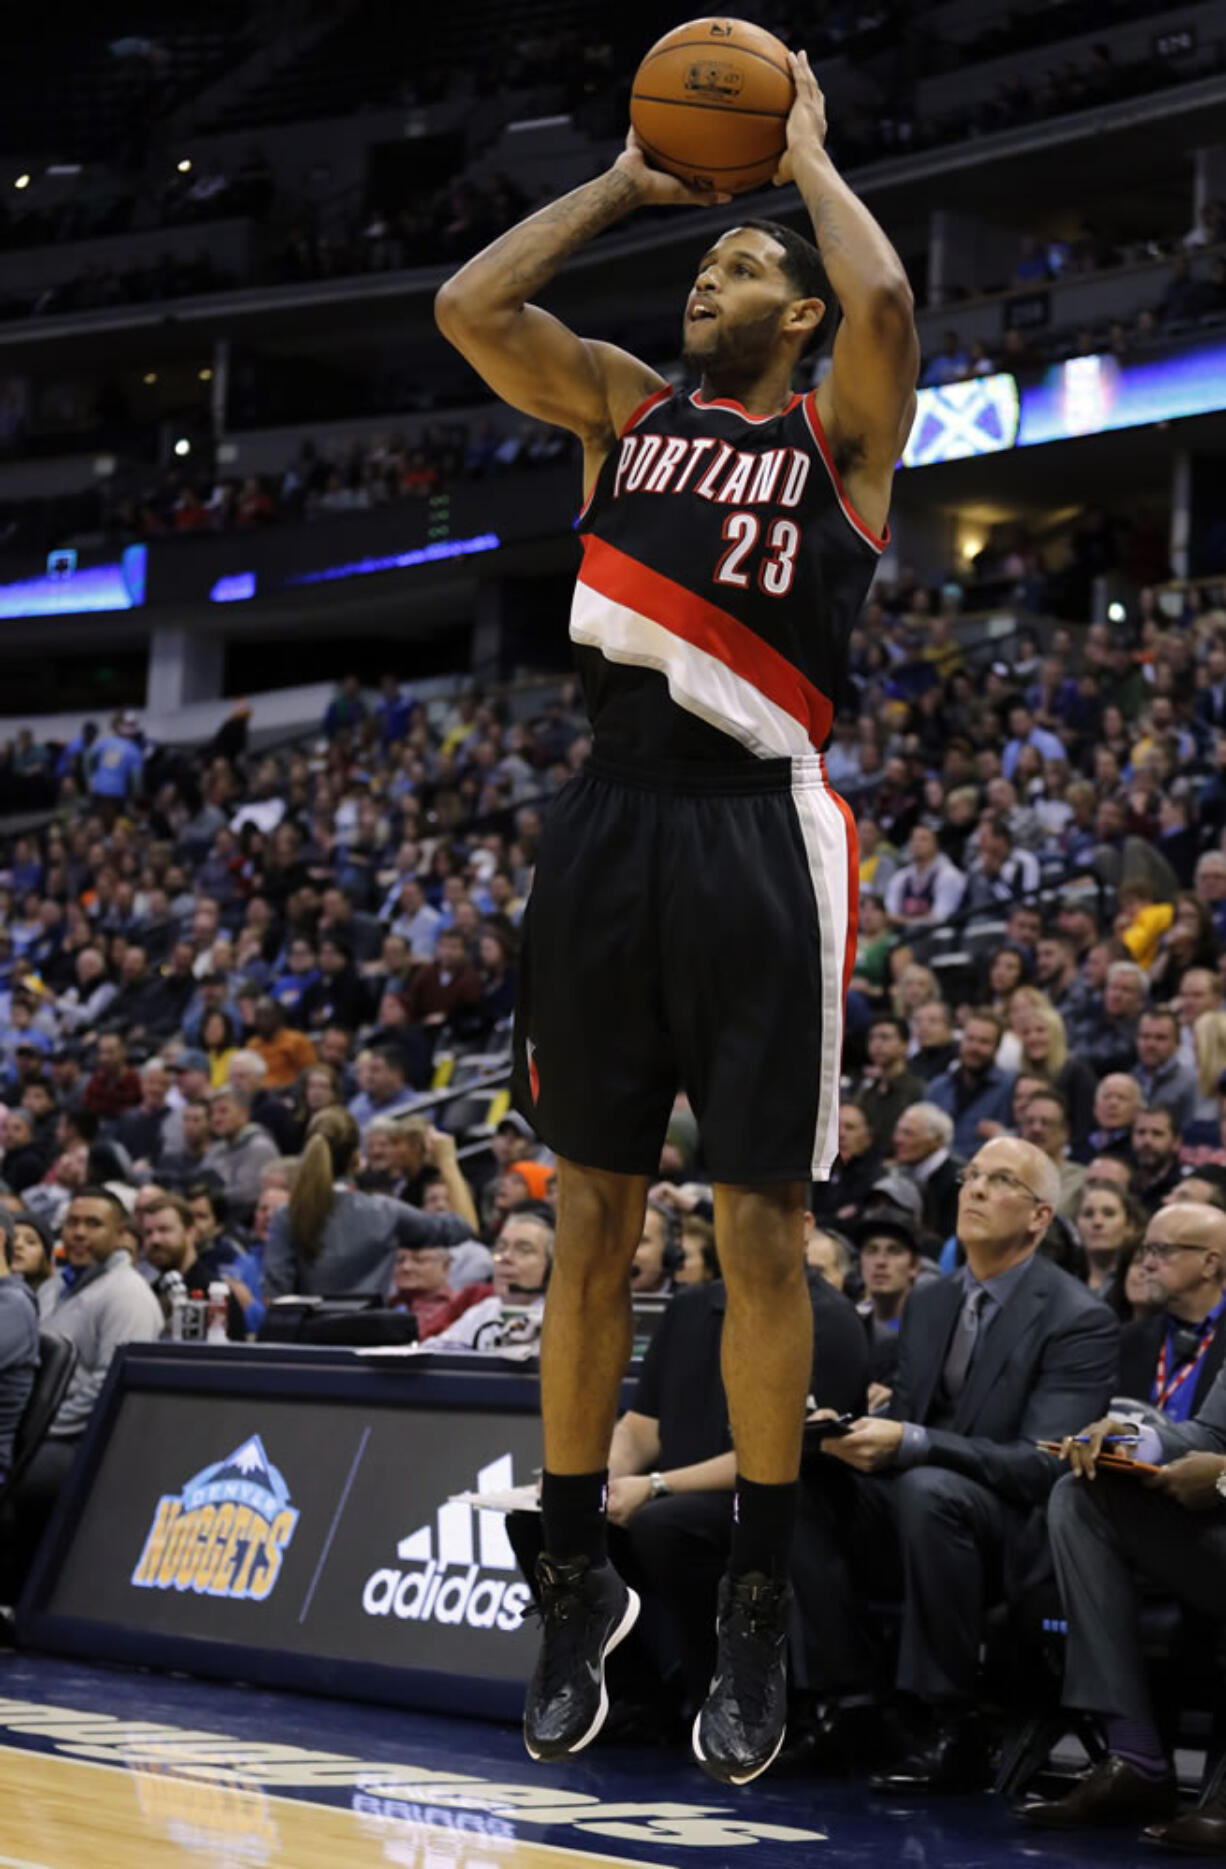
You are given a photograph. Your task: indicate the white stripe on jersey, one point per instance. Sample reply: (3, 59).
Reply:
(697, 680)
(825, 833)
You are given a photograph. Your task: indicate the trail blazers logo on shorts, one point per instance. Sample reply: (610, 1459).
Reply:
(534, 1075)
(425, 1592)
(225, 1534)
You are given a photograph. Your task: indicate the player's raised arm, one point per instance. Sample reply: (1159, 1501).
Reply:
(527, 356)
(870, 392)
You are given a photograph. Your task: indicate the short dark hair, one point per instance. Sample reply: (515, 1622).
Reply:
(207, 1191)
(392, 1056)
(891, 1019)
(92, 1192)
(1164, 1013)
(1164, 1111)
(802, 265)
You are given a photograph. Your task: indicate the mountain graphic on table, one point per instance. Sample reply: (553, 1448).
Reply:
(249, 1465)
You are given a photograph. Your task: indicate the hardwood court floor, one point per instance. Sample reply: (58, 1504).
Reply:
(113, 1769)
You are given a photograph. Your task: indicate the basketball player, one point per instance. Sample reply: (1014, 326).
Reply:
(693, 919)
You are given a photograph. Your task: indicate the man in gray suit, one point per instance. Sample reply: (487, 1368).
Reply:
(942, 1505)
(1169, 1528)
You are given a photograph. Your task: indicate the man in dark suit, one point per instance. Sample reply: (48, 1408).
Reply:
(942, 1503)
(671, 1477)
(1167, 1529)
(1172, 1358)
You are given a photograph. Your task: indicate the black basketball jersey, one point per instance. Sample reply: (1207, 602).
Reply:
(723, 569)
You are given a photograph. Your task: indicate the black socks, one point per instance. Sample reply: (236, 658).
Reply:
(763, 1520)
(573, 1512)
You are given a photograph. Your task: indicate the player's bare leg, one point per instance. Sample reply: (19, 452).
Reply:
(767, 1358)
(586, 1608)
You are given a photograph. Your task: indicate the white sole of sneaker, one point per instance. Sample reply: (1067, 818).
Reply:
(629, 1617)
(733, 1778)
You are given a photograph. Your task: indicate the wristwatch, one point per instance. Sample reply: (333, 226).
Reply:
(660, 1488)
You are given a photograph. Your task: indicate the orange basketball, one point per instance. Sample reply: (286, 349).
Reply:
(710, 104)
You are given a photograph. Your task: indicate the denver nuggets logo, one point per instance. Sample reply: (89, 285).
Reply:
(225, 1534)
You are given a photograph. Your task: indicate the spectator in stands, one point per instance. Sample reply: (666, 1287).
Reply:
(1165, 1082)
(176, 1167)
(114, 1086)
(139, 1131)
(949, 365)
(856, 1168)
(1172, 1359)
(923, 1150)
(1105, 1538)
(934, 1048)
(291, 990)
(285, 1051)
(889, 1250)
(887, 1086)
(1110, 1225)
(999, 870)
(116, 765)
(1024, 732)
(1117, 1103)
(655, 1259)
(168, 1228)
(1155, 1150)
(1200, 992)
(1109, 1041)
(386, 1091)
(927, 891)
(1045, 1123)
(248, 1074)
(18, 1342)
(331, 1238)
(950, 1489)
(829, 1252)
(346, 711)
(975, 1091)
(1143, 920)
(107, 1304)
(523, 1255)
(239, 1151)
(33, 1249)
(421, 1285)
(218, 1038)
(1045, 1052)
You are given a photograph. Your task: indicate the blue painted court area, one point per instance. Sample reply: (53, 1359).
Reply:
(408, 1774)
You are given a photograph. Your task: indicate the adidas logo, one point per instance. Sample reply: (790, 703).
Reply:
(455, 1544)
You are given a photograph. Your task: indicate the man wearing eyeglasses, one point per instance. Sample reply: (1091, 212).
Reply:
(1172, 1358)
(1168, 1528)
(943, 1500)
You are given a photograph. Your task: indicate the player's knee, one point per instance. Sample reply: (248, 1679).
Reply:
(600, 1220)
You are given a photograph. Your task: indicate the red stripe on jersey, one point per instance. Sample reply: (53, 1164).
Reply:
(738, 408)
(623, 580)
(853, 880)
(649, 402)
(823, 446)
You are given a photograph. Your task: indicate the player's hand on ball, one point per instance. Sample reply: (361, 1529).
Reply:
(806, 120)
(655, 188)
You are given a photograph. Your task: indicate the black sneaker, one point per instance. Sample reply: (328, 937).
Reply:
(741, 1727)
(585, 1611)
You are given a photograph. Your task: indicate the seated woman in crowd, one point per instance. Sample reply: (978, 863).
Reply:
(332, 1238)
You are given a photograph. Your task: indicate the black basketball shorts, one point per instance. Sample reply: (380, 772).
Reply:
(689, 930)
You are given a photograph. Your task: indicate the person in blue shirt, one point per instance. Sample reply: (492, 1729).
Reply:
(116, 764)
(975, 1091)
(393, 711)
(1024, 732)
(291, 988)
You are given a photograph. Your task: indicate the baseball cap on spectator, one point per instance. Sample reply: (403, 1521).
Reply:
(125, 1195)
(890, 1221)
(898, 1191)
(520, 1124)
(536, 1177)
(190, 1061)
(128, 723)
(66, 1049)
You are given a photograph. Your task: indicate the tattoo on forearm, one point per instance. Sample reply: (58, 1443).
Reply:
(526, 257)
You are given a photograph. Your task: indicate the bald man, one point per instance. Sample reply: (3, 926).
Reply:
(1171, 1359)
(1117, 1104)
(937, 1503)
(1169, 1529)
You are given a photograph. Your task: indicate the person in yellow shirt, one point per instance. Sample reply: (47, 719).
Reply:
(1141, 921)
(285, 1051)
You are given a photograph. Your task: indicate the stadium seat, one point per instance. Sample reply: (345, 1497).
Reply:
(57, 1358)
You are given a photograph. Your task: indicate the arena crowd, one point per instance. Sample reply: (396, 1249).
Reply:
(237, 988)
